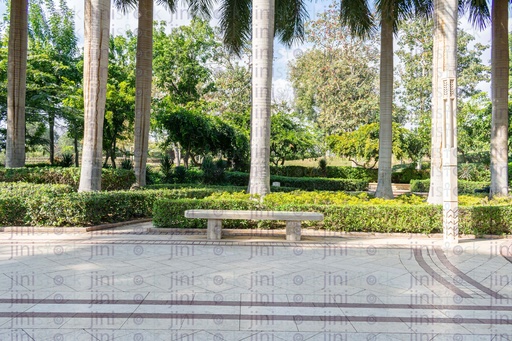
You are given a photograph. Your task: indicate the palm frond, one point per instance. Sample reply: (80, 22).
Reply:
(125, 5)
(479, 14)
(356, 15)
(169, 4)
(235, 23)
(290, 16)
(201, 8)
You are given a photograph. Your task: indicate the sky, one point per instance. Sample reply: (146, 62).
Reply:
(121, 22)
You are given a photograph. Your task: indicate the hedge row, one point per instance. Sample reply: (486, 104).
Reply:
(85, 209)
(464, 187)
(338, 172)
(216, 187)
(171, 213)
(111, 179)
(308, 184)
(477, 220)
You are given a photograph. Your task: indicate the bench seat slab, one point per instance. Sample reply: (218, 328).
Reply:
(253, 215)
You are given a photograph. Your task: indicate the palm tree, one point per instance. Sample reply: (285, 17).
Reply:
(143, 78)
(356, 15)
(16, 84)
(96, 47)
(284, 19)
(499, 94)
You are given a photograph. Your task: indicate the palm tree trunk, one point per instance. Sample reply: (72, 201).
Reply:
(435, 195)
(143, 80)
(384, 189)
(97, 25)
(16, 84)
(499, 93)
(262, 55)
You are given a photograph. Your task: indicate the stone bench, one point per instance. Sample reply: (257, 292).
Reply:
(215, 217)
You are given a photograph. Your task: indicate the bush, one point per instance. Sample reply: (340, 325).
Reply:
(66, 160)
(425, 219)
(370, 175)
(474, 172)
(171, 213)
(408, 174)
(12, 210)
(464, 187)
(166, 167)
(127, 164)
(180, 174)
(213, 172)
(111, 179)
(309, 184)
(25, 189)
(321, 184)
(338, 172)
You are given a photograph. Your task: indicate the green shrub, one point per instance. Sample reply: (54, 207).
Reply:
(464, 187)
(408, 174)
(474, 172)
(127, 164)
(321, 184)
(66, 160)
(166, 167)
(180, 174)
(480, 220)
(24, 189)
(111, 179)
(171, 213)
(12, 210)
(322, 165)
(116, 179)
(337, 172)
(213, 172)
(237, 178)
(193, 175)
(309, 184)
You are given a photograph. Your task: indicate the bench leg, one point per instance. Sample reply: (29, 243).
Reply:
(293, 231)
(214, 230)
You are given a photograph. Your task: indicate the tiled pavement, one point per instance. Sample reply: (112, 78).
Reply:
(126, 284)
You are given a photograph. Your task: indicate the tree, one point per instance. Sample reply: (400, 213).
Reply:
(183, 60)
(53, 56)
(290, 140)
(200, 134)
(283, 19)
(97, 25)
(335, 82)
(361, 146)
(499, 97)
(16, 84)
(120, 103)
(144, 74)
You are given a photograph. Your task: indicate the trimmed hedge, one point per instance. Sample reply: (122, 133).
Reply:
(27, 189)
(477, 220)
(85, 209)
(111, 179)
(171, 213)
(308, 184)
(219, 188)
(338, 172)
(464, 187)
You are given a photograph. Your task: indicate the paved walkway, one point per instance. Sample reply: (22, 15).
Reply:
(126, 284)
